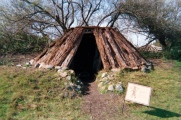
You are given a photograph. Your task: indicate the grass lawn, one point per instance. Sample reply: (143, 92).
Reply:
(28, 94)
(36, 95)
(165, 102)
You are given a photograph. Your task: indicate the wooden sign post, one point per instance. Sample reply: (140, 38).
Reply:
(138, 94)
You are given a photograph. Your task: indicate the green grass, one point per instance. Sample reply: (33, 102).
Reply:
(166, 93)
(35, 94)
(165, 82)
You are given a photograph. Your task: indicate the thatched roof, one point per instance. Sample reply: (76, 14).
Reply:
(114, 49)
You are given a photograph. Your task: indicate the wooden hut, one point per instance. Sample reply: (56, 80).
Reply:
(91, 49)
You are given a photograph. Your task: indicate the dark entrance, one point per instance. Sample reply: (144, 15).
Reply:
(86, 61)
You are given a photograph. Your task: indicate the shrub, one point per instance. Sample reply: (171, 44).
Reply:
(147, 54)
(173, 53)
(21, 43)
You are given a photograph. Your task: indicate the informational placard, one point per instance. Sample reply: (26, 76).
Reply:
(138, 94)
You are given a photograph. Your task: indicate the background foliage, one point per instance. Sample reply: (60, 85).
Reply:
(43, 20)
(21, 43)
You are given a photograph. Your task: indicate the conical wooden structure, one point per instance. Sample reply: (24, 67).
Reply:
(114, 50)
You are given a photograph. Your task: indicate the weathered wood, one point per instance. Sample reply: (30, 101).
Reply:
(116, 49)
(100, 47)
(107, 49)
(42, 54)
(66, 47)
(46, 58)
(125, 45)
(63, 38)
(70, 56)
(131, 46)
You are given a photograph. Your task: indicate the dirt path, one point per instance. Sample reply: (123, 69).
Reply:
(101, 106)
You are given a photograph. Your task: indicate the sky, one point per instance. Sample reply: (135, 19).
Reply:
(135, 39)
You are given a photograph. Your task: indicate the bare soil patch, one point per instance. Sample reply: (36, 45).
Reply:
(109, 106)
(17, 58)
(101, 106)
(162, 64)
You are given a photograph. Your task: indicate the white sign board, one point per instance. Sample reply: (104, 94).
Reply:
(138, 94)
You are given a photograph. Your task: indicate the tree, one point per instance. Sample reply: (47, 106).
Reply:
(43, 16)
(160, 19)
(13, 39)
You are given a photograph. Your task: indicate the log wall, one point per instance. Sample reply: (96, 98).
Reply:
(115, 51)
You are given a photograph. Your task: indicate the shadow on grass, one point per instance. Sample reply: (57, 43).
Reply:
(161, 113)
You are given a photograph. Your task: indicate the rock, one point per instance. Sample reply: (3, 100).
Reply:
(100, 84)
(27, 64)
(110, 77)
(60, 71)
(78, 82)
(19, 65)
(111, 87)
(31, 61)
(116, 70)
(71, 71)
(48, 66)
(135, 68)
(104, 79)
(104, 74)
(64, 74)
(119, 87)
(143, 63)
(66, 94)
(68, 77)
(64, 68)
(79, 87)
(81, 83)
(150, 66)
(70, 87)
(71, 84)
(106, 82)
(65, 83)
(144, 69)
(42, 65)
(37, 65)
(57, 67)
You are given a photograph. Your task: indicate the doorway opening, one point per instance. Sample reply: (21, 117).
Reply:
(86, 62)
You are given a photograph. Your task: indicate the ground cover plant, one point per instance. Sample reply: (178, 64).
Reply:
(36, 94)
(165, 81)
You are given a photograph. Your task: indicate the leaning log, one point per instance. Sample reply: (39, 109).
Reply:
(107, 49)
(69, 58)
(101, 49)
(115, 51)
(115, 48)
